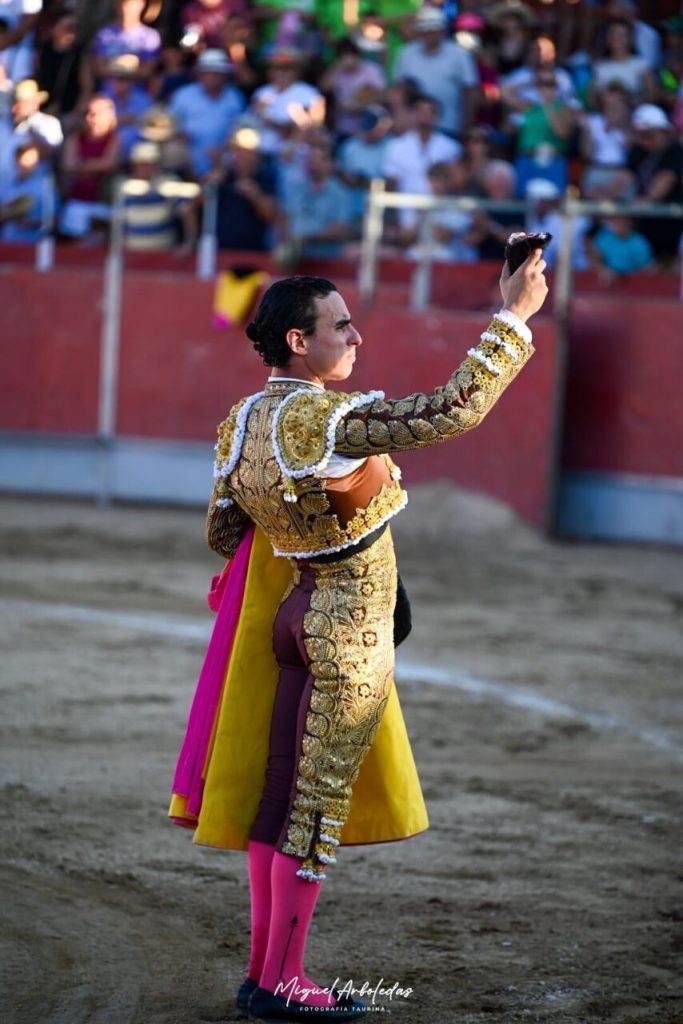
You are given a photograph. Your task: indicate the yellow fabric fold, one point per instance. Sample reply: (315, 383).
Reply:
(387, 801)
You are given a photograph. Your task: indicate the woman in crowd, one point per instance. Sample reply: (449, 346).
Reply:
(604, 142)
(621, 63)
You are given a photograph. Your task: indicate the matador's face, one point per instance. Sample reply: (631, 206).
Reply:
(330, 351)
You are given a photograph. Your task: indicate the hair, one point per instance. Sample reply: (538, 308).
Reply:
(347, 45)
(424, 98)
(439, 170)
(287, 304)
(617, 88)
(495, 167)
(624, 24)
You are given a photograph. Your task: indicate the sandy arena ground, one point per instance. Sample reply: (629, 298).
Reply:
(542, 692)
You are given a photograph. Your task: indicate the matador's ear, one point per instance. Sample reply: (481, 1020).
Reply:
(297, 342)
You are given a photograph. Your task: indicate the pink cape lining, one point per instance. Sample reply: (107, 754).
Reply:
(225, 598)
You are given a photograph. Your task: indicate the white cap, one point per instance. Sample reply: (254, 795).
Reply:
(541, 188)
(214, 60)
(430, 19)
(648, 115)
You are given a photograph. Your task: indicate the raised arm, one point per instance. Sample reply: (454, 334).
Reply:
(419, 420)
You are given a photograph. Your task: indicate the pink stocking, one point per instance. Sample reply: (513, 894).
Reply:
(260, 859)
(293, 902)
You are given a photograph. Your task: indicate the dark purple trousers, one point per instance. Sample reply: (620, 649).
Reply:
(288, 724)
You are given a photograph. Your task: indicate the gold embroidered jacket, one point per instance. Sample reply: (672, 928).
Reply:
(273, 448)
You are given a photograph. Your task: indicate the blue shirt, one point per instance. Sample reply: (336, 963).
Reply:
(623, 255)
(136, 103)
(32, 187)
(114, 41)
(356, 156)
(205, 120)
(310, 210)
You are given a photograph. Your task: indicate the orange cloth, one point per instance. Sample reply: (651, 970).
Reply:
(346, 494)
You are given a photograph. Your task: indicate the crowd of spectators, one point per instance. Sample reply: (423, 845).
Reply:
(288, 110)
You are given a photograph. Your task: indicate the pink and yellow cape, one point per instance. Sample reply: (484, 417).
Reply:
(221, 768)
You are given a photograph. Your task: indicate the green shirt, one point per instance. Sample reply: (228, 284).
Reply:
(537, 129)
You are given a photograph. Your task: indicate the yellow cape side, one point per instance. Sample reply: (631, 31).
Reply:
(387, 801)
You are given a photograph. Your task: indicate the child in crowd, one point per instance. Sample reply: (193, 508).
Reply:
(617, 248)
(23, 202)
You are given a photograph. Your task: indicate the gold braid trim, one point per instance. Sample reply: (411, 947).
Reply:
(422, 419)
(225, 526)
(304, 428)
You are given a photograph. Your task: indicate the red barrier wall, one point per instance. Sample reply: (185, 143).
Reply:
(49, 349)
(179, 375)
(624, 412)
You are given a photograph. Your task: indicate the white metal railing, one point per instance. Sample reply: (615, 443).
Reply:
(45, 246)
(379, 200)
(110, 337)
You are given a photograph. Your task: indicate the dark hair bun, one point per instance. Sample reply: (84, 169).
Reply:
(252, 331)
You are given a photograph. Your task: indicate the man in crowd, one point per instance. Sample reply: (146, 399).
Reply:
(247, 204)
(654, 164)
(409, 157)
(29, 119)
(318, 207)
(285, 99)
(29, 124)
(442, 69)
(207, 109)
(130, 96)
(159, 205)
(361, 157)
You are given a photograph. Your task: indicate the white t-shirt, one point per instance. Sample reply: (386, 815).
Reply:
(443, 75)
(46, 127)
(609, 144)
(628, 72)
(271, 105)
(407, 159)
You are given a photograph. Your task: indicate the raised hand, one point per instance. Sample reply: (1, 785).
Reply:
(524, 292)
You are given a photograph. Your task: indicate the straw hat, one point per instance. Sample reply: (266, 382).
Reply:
(157, 124)
(27, 89)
